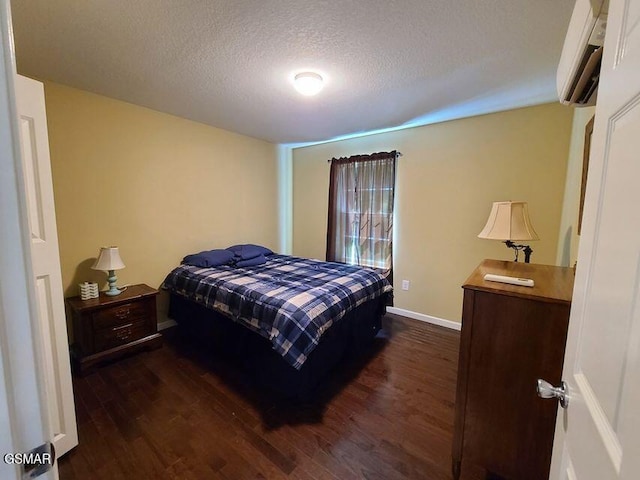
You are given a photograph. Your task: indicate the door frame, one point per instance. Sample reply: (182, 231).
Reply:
(22, 398)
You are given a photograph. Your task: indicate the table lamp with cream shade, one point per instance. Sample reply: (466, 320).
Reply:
(109, 261)
(510, 222)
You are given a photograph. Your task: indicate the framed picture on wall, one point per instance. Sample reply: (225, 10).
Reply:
(588, 131)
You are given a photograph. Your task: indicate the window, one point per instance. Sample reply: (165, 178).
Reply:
(360, 227)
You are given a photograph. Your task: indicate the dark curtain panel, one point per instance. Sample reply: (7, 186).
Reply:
(360, 226)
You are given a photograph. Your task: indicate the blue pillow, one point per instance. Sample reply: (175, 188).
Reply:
(252, 262)
(209, 258)
(247, 251)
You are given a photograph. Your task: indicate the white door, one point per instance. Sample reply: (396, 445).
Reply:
(22, 399)
(598, 436)
(46, 261)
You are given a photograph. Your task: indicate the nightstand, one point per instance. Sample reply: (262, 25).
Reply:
(106, 327)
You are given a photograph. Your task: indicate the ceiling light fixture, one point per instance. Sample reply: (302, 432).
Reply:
(308, 83)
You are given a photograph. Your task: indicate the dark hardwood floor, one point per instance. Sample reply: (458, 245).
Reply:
(177, 412)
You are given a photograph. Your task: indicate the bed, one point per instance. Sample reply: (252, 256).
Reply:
(287, 322)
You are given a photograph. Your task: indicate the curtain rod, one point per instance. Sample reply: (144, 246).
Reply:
(398, 154)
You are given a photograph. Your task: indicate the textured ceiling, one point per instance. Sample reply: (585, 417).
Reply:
(229, 63)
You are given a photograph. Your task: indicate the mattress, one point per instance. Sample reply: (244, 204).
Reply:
(289, 300)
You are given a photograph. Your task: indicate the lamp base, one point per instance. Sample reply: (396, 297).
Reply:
(112, 279)
(526, 249)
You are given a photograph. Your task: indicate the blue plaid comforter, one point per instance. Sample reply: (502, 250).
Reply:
(289, 300)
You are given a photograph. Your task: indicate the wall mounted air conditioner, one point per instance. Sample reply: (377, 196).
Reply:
(579, 67)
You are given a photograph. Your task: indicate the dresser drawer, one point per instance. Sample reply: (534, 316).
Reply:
(121, 314)
(121, 334)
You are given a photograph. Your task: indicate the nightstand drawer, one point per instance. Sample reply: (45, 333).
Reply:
(121, 334)
(121, 314)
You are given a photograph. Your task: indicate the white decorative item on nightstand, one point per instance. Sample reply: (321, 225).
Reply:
(88, 290)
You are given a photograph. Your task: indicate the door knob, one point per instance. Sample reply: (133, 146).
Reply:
(546, 390)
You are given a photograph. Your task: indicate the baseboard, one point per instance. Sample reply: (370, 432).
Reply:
(441, 322)
(166, 324)
(164, 321)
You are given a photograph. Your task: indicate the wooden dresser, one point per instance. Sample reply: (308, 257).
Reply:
(108, 327)
(511, 336)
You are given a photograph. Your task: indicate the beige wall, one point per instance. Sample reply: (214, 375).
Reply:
(447, 179)
(156, 185)
(569, 239)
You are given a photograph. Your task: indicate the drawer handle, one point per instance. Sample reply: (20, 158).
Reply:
(122, 326)
(124, 313)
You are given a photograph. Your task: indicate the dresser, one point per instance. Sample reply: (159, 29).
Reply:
(511, 336)
(106, 327)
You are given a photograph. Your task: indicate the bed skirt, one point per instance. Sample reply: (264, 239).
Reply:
(253, 354)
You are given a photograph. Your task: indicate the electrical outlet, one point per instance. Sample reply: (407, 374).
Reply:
(405, 284)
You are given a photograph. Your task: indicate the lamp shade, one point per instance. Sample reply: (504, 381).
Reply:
(509, 221)
(109, 259)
